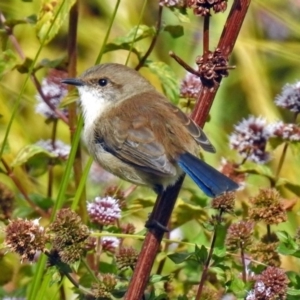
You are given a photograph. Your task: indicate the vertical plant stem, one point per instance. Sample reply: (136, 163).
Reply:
(206, 36)
(283, 154)
(269, 233)
(151, 47)
(72, 72)
(51, 165)
(206, 266)
(137, 28)
(99, 57)
(244, 273)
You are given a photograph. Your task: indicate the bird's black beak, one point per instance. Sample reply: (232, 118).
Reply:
(73, 81)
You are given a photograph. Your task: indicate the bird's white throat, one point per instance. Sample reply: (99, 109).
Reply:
(93, 105)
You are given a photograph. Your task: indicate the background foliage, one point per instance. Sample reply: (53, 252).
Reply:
(266, 57)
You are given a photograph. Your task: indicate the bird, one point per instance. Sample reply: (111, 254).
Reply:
(134, 132)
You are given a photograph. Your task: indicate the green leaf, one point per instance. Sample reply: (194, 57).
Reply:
(175, 31)
(201, 254)
(257, 169)
(275, 142)
(29, 152)
(32, 19)
(167, 79)
(47, 63)
(6, 148)
(47, 16)
(294, 279)
(158, 278)
(219, 252)
(42, 202)
(293, 187)
(179, 257)
(181, 14)
(134, 35)
(25, 66)
(237, 286)
(293, 292)
(8, 61)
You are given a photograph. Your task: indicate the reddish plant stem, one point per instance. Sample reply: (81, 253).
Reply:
(244, 273)
(206, 36)
(162, 211)
(72, 72)
(226, 43)
(166, 201)
(22, 190)
(151, 47)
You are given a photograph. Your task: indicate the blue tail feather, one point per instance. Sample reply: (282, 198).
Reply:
(211, 181)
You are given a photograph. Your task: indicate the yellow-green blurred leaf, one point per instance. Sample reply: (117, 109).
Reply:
(8, 61)
(175, 31)
(134, 35)
(71, 97)
(48, 24)
(167, 79)
(29, 152)
(181, 14)
(257, 169)
(184, 213)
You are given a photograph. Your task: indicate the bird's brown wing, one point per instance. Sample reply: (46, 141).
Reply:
(195, 131)
(133, 142)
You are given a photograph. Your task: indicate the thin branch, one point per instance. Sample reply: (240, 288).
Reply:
(183, 63)
(208, 260)
(72, 108)
(51, 166)
(151, 47)
(206, 36)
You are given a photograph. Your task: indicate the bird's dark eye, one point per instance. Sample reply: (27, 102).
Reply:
(102, 81)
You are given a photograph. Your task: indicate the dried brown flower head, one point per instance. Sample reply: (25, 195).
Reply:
(103, 288)
(69, 235)
(271, 284)
(265, 251)
(202, 7)
(25, 237)
(172, 3)
(225, 202)
(267, 207)
(110, 243)
(128, 228)
(212, 67)
(6, 202)
(115, 192)
(126, 258)
(239, 235)
(230, 169)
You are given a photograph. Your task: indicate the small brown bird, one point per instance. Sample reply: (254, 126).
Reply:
(134, 132)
